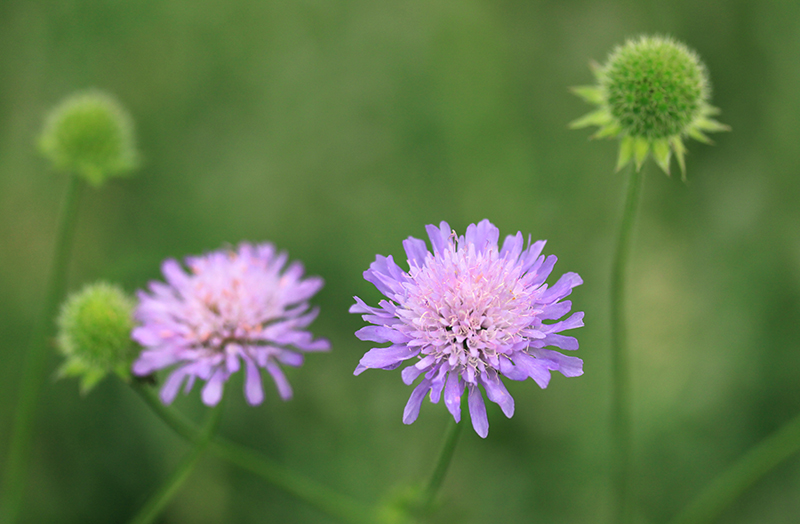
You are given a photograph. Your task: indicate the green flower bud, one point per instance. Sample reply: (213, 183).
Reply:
(91, 135)
(94, 334)
(654, 87)
(653, 92)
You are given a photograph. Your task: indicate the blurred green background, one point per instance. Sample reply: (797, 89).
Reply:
(336, 129)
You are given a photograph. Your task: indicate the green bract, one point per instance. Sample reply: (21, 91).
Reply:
(94, 334)
(91, 135)
(652, 93)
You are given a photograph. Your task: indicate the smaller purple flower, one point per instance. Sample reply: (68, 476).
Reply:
(232, 307)
(467, 314)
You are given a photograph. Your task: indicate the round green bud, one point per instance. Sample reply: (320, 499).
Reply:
(655, 87)
(91, 135)
(94, 333)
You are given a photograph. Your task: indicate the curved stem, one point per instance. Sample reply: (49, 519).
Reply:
(445, 456)
(756, 463)
(16, 469)
(160, 498)
(323, 498)
(620, 373)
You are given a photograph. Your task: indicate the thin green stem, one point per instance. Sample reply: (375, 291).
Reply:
(328, 501)
(445, 456)
(16, 469)
(164, 494)
(620, 373)
(756, 463)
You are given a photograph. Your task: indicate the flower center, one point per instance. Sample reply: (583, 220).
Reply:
(465, 307)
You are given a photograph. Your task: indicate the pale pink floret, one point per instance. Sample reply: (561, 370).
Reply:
(230, 307)
(468, 313)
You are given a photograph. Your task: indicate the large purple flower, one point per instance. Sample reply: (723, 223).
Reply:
(231, 307)
(469, 312)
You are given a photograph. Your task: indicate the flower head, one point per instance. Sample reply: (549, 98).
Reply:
(232, 307)
(92, 135)
(467, 314)
(653, 92)
(94, 334)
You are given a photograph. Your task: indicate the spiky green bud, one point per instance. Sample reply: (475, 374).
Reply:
(94, 334)
(653, 92)
(90, 134)
(654, 87)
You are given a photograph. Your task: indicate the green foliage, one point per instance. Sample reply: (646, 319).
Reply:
(91, 135)
(94, 330)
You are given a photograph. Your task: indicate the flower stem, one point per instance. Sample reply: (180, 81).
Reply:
(620, 373)
(160, 498)
(445, 456)
(16, 469)
(328, 501)
(756, 463)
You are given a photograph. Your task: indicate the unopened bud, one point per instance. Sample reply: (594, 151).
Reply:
(94, 334)
(91, 135)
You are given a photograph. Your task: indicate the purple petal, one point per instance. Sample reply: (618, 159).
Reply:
(232, 361)
(531, 367)
(563, 287)
(411, 411)
(566, 365)
(416, 250)
(264, 251)
(253, 391)
(174, 274)
(509, 370)
(497, 393)
(146, 336)
(410, 374)
(555, 311)
(544, 270)
(212, 391)
(381, 334)
(574, 321)
(512, 246)
(320, 344)
(306, 289)
(290, 358)
(477, 412)
(439, 236)
(385, 275)
(173, 384)
(483, 235)
(453, 390)
(150, 361)
(560, 341)
(437, 383)
(361, 307)
(530, 256)
(382, 357)
(284, 389)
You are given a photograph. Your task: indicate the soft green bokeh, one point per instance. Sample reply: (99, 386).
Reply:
(336, 129)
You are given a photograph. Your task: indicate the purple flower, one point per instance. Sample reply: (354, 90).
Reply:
(231, 307)
(467, 314)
